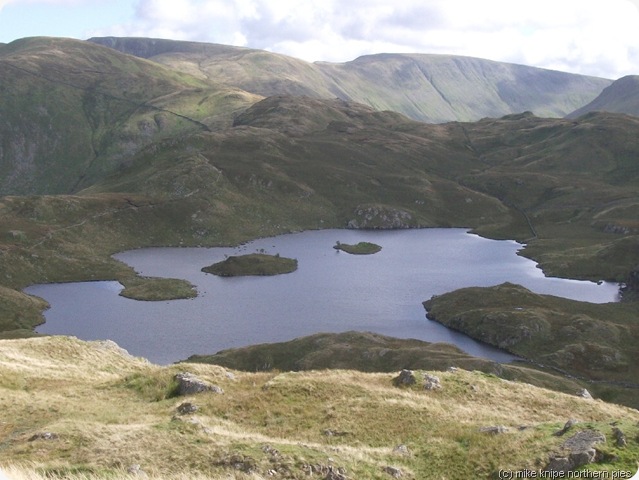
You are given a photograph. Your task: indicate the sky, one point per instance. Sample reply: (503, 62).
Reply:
(589, 37)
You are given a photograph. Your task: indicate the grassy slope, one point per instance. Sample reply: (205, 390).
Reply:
(369, 352)
(622, 96)
(432, 88)
(72, 111)
(576, 183)
(110, 411)
(440, 88)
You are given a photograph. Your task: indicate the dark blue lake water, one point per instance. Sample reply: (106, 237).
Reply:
(330, 292)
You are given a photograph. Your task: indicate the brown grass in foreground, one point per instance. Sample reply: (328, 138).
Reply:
(110, 412)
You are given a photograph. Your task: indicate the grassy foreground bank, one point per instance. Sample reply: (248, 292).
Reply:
(88, 410)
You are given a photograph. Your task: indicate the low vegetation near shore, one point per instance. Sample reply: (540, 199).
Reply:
(361, 248)
(597, 342)
(74, 409)
(252, 264)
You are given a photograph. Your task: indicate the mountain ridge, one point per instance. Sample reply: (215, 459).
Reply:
(425, 87)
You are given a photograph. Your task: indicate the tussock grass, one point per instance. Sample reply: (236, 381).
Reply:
(110, 411)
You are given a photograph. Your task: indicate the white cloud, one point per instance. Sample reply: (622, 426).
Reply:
(582, 36)
(44, 2)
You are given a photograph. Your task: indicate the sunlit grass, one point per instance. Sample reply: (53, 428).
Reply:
(110, 412)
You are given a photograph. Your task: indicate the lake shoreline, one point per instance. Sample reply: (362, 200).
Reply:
(268, 243)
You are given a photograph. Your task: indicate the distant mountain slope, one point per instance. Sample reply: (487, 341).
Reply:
(72, 111)
(256, 71)
(440, 88)
(431, 88)
(622, 96)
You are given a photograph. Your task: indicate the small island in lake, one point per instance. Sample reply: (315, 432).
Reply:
(252, 264)
(155, 289)
(362, 248)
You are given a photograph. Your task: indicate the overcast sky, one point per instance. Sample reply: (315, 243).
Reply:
(591, 37)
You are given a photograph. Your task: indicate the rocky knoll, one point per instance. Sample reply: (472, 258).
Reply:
(589, 341)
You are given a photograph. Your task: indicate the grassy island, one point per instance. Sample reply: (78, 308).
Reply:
(157, 289)
(252, 264)
(362, 248)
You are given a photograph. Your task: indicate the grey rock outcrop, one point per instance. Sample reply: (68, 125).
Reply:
(577, 451)
(381, 217)
(567, 426)
(620, 437)
(186, 408)
(401, 450)
(44, 436)
(189, 384)
(494, 430)
(583, 393)
(405, 377)
(394, 471)
(136, 470)
(431, 382)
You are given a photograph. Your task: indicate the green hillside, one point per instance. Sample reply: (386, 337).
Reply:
(622, 96)
(102, 151)
(430, 88)
(72, 111)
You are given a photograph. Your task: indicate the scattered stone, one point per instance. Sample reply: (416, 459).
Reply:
(558, 464)
(393, 471)
(330, 472)
(406, 377)
(576, 452)
(380, 217)
(334, 433)
(189, 384)
(620, 437)
(569, 424)
(583, 393)
(452, 369)
(584, 440)
(110, 345)
(186, 408)
(584, 457)
(431, 382)
(336, 474)
(401, 450)
(238, 462)
(273, 452)
(494, 430)
(44, 436)
(137, 471)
